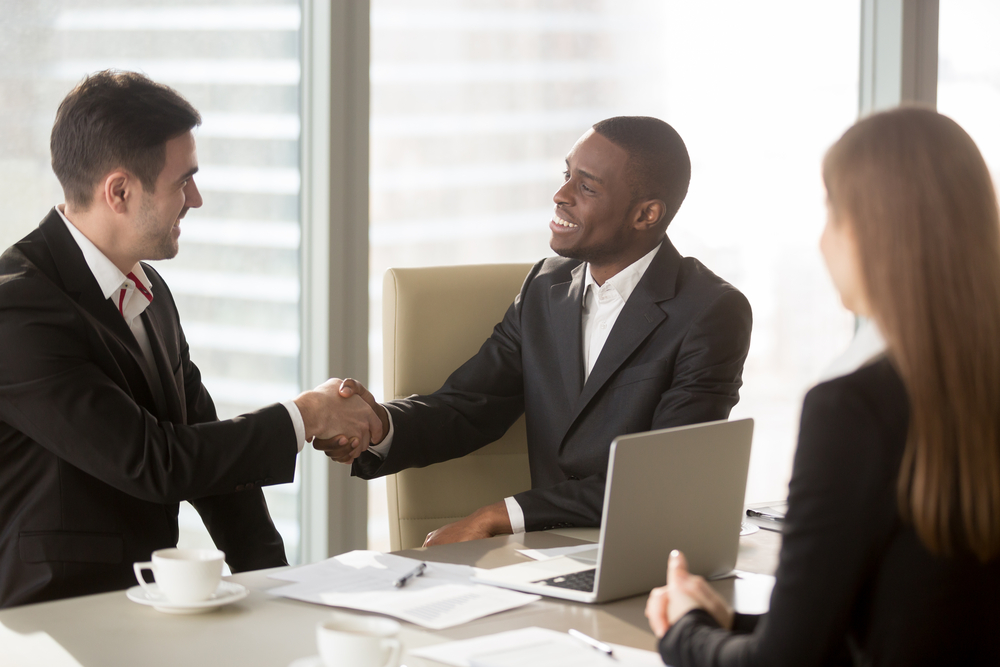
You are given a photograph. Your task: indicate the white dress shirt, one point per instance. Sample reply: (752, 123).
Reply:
(602, 304)
(131, 297)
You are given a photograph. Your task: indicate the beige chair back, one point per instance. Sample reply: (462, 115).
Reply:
(433, 320)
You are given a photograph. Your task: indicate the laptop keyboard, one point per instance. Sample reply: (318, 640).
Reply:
(578, 581)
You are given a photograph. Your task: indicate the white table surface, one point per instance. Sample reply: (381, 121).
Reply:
(108, 630)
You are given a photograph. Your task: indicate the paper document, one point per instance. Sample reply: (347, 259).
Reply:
(37, 649)
(579, 552)
(441, 597)
(533, 646)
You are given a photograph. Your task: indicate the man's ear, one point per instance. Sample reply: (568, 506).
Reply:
(648, 214)
(119, 191)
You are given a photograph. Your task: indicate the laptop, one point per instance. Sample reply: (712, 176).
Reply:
(676, 488)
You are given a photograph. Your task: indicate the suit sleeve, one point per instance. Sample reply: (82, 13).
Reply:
(239, 523)
(475, 407)
(707, 376)
(56, 392)
(833, 535)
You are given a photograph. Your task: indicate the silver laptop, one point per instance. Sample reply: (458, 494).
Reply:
(677, 488)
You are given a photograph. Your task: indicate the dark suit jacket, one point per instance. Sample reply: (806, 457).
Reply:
(92, 461)
(850, 570)
(674, 357)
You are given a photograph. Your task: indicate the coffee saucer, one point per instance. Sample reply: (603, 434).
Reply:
(311, 661)
(226, 593)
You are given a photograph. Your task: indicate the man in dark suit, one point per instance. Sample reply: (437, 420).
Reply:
(104, 422)
(621, 334)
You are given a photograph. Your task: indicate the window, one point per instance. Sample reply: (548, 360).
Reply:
(236, 279)
(475, 104)
(969, 73)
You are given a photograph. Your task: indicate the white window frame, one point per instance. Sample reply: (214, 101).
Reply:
(899, 54)
(334, 306)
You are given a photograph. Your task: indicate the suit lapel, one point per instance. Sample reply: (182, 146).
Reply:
(80, 284)
(640, 316)
(566, 308)
(168, 387)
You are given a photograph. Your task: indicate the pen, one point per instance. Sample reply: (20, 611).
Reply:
(415, 572)
(768, 517)
(591, 642)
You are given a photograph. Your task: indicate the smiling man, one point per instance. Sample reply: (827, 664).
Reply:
(104, 422)
(618, 335)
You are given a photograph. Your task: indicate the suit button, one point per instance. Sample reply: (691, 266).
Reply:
(240, 487)
(574, 478)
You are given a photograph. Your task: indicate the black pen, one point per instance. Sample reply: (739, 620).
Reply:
(767, 517)
(591, 642)
(415, 572)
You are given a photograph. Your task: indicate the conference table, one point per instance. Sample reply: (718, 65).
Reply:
(108, 630)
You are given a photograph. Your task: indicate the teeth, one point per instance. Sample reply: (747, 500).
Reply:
(562, 223)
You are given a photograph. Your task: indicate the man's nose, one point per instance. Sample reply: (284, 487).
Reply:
(562, 194)
(192, 194)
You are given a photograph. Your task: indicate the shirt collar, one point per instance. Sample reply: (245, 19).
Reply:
(109, 277)
(624, 281)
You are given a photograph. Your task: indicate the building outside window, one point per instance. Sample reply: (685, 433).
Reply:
(236, 278)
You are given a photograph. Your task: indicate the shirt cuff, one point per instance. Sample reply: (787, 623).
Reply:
(297, 423)
(382, 449)
(515, 514)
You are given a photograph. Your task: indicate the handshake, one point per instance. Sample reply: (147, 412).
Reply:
(342, 418)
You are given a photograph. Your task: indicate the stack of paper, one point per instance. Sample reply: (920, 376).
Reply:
(528, 647)
(441, 597)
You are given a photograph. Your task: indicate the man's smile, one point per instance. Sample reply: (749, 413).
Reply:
(563, 223)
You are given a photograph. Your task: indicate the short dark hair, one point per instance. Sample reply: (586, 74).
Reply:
(115, 119)
(658, 166)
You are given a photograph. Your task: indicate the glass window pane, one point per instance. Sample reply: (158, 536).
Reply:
(969, 72)
(236, 279)
(475, 104)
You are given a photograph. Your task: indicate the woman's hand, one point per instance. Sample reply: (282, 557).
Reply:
(684, 592)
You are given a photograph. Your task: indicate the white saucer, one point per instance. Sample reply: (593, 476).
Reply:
(226, 593)
(747, 528)
(311, 661)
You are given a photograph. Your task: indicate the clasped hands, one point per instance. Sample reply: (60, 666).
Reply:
(342, 418)
(684, 592)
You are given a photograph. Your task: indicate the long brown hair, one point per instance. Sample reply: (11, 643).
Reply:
(919, 198)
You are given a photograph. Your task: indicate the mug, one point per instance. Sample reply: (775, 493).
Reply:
(184, 576)
(359, 641)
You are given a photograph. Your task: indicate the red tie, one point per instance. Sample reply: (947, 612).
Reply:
(138, 286)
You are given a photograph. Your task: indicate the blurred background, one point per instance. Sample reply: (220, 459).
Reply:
(474, 104)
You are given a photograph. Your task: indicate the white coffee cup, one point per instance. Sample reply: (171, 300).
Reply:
(359, 641)
(183, 575)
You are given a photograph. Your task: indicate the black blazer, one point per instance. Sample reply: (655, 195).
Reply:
(674, 357)
(93, 462)
(853, 580)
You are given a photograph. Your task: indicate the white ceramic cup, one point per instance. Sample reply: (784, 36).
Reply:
(359, 641)
(183, 575)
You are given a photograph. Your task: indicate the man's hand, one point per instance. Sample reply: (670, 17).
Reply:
(684, 592)
(341, 448)
(351, 387)
(326, 415)
(484, 522)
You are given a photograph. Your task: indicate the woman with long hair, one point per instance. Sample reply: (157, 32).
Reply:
(891, 544)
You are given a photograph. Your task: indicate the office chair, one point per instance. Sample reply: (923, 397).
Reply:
(433, 320)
